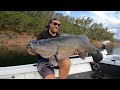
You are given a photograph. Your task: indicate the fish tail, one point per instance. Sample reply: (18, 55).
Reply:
(95, 53)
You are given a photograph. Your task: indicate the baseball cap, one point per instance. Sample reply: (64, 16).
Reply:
(55, 18)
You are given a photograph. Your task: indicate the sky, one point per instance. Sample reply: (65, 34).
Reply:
(110, 19)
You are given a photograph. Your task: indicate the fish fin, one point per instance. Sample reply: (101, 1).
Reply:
(95, 53)
(84, 38)
(83, 54)
(53, 60)
(97, 57)
(46, 51)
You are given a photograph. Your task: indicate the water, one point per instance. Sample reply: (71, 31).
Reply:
(116, 50)
(17, 55)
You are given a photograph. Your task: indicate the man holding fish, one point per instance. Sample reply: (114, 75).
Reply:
(55, 50)
(45, 68)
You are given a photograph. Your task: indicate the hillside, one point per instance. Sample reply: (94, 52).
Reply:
(10, 38)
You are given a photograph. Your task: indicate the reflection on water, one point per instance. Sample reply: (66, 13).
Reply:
(117, 50)
(15, 55)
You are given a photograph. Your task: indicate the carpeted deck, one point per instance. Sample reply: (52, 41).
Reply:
(109, 72)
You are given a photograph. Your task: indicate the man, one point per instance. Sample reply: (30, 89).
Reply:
(108, 46)
(45, 67)
(104, 43)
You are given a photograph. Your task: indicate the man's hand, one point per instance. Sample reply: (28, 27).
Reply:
(31, 52)
(76, 52)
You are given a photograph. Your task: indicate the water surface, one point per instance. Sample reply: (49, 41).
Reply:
(15, 55)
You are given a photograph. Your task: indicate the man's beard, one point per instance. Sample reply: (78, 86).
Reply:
(54, 30)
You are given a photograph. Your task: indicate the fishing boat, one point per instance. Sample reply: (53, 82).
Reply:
(80, 69)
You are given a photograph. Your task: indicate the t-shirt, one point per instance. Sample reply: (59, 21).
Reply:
(45, 35)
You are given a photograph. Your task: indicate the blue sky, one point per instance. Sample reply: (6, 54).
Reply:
(110, 19)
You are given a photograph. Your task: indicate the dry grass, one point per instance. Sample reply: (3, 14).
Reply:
(98, 44)
(21, 39)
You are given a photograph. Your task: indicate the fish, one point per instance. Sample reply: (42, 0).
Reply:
(63, 47)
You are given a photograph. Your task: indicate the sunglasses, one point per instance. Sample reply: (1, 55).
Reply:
(56, 24)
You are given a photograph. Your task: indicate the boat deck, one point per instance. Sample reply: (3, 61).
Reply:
(109, 72)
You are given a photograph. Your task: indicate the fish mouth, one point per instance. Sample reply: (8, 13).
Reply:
(28, 46)
(97, 57)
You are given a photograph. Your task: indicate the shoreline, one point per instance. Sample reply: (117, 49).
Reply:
(23, 39)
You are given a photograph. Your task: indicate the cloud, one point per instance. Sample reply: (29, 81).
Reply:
(111, 19)
(107, 16)
(68, 13)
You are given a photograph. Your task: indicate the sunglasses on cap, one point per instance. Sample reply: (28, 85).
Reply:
(55, 23)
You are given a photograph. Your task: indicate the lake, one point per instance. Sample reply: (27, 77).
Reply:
(17, 55)
(117, 50)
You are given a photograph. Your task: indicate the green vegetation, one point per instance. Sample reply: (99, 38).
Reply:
(35, 21)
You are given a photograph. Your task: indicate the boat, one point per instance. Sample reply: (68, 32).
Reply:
(112, 59)
(80, 69)
(29, 71)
